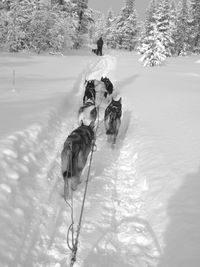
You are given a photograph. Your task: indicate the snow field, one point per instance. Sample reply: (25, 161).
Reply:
(142, 202)
(28, 184)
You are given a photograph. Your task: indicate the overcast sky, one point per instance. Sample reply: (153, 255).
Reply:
(104, 5)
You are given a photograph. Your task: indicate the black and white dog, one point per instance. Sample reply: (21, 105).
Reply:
(90, 92)
(98, 90)
(94, 51)
(112, 119)
(87, 112)
(74, 156)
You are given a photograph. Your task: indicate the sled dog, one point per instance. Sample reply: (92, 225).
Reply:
(74, 156)
(112, 119)
(94, 51)
(87, 113)
(98, 90)
(90, 92)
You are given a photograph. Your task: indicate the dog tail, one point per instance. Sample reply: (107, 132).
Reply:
(113, 125)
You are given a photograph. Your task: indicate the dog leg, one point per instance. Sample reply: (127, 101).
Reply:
(67, 189)
(75, 181)
(114, 139)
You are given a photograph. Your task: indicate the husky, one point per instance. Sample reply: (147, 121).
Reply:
(98, 90)
(74, 156)
(94, 51)
(90, 93)
(108, 85)
(87, 113)
(112, 119)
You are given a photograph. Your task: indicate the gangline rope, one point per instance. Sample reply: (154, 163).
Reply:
(74, 240)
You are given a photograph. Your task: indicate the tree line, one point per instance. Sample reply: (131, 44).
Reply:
(41, 25)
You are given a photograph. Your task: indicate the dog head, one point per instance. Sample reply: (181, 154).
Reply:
(90, 85)
(108, 85)
(89, 91)
(115, 107)
(117, 104)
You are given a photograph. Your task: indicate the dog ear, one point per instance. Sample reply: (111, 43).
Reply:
(120, 100)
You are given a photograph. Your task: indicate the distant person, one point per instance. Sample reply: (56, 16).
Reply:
(99, 46)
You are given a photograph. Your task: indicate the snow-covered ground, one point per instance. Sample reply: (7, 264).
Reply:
(142, 206)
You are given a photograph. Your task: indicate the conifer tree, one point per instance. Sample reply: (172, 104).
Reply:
(126, 27)
(147, 26)
(130, 32)
(99, 27)
(109, 19)
(3, 27)
(182, 32)
(195, 10)
(129, 8)
(20, 15)
(84, 18)
(111, 34)
(154, 52)
(152, 41)
(172, 26)
(162, 17)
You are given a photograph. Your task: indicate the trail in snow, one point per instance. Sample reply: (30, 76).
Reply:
(118, 225)
(30, 175)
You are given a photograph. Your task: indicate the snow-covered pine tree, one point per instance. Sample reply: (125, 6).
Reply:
(151, 43)
(98, 29)
(3, 26)
(129, 8)
(125, 29)
(147, 26)
(108, 25)
(195, 10)
(109, 18)
(181, 36)
(163, 17)
(84, 17)
(191, 30)
(130, 32)
(29, 24)
(51, 29)
(172, 25)
(154, 52)
(118, 29)
(111, 34)
(20, 15)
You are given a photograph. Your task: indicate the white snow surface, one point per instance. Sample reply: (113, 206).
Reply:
(142, 204)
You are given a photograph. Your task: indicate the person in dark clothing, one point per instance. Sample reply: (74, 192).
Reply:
(99, 46)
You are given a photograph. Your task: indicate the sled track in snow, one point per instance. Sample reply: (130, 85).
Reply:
(34, 215)
(30, 171)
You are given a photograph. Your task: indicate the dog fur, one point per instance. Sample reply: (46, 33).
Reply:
(87, 113)
(98, 90)
(94, 51)
(108, 85)
(90, 93)
(74, 156)
(112, 119)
